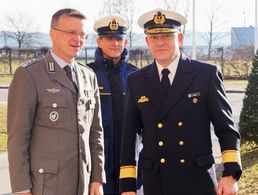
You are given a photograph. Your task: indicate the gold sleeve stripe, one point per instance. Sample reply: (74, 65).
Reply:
(231, 156)
(127, 172)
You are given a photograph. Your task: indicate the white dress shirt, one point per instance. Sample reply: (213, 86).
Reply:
(171, 67)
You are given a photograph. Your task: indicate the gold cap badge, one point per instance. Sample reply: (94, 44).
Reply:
(159, 18)
(113, 25)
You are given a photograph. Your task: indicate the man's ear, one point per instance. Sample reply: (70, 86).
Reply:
(180, 39)
(99, 42)
(147, 40)
(125, 43)
(52, 34)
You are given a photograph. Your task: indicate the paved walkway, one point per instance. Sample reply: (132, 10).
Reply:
(235, 98)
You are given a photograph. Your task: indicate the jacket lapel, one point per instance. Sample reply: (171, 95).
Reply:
(153, 86)
(184, 76)
(81, 77)
(59, 74)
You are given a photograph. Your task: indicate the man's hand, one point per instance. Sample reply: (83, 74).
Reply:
(96, 188)
(227, 186)
(128, 193)
(26, 193)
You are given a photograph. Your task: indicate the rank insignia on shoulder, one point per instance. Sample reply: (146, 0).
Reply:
(195, 94)
(143, 99)
(53, 90)
(29, 62)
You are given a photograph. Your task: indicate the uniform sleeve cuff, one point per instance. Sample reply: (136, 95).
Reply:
(232, 169)
(127, 185)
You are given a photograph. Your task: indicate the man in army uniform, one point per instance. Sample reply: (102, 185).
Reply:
(112, 68)
(173, 101)
(55, 135)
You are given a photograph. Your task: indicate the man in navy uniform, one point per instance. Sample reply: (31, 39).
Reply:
(174, 100)
(112, 68)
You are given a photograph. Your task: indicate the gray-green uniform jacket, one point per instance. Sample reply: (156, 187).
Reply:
(55, 136)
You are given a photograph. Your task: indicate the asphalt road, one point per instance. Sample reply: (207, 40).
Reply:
(235, 100)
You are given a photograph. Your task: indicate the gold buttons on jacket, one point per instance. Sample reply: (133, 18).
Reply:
(54, 105)
(41, 170)
(180, 124)
(160, 125)
(181, 143)
(161, 143)
(195, 100)
(182, 161)
(162, 160)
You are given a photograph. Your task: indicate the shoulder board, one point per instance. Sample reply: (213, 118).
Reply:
(133, 66)
(29, 62)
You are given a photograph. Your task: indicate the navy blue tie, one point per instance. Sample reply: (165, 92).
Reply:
(165, 83)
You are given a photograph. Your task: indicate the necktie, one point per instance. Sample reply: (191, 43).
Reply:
(68, 71)
(165, 83)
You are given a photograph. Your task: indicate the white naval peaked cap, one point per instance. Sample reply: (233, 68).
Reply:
(111, 25)
(161, 21)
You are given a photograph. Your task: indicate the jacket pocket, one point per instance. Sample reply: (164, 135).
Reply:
(44, 176)
(53, 112)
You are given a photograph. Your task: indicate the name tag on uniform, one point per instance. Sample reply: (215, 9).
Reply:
(143, 99)
(195, 94)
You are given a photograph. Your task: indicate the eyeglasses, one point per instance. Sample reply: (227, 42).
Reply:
(165, 37)
(72, 33)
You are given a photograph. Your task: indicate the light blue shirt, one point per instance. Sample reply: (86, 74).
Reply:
(63, 63)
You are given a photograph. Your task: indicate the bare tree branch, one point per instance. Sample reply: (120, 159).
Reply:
(20, 28)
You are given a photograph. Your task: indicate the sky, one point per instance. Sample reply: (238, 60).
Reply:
(236, 13)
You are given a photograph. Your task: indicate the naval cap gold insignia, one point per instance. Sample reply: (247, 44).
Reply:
(159, 18)
(113, 25)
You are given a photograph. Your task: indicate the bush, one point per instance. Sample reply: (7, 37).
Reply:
(248, 125)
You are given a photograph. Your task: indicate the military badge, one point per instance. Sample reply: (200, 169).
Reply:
(53, 90)
(196, 94)
(113, 25)
(54, 116)
(143, 99)
(159, 18)
(101, 87)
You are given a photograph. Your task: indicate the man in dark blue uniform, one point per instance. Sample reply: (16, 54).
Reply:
(112, 68)
(174, 100)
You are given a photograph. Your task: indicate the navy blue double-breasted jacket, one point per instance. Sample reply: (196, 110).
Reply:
(177, 150)
(112, 86)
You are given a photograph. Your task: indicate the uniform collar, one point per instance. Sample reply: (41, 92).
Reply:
(60, 61)
(171, 67)
(99, 59)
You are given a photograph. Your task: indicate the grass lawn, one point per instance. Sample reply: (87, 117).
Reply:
(240, 83)
(248, 183)
(5, 79)
(3, 136)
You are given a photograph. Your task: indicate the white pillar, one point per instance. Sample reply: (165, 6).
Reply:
(193, 34)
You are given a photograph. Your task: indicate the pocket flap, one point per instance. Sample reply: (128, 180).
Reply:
(45, 166)
(58, 102)
(204, 160)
